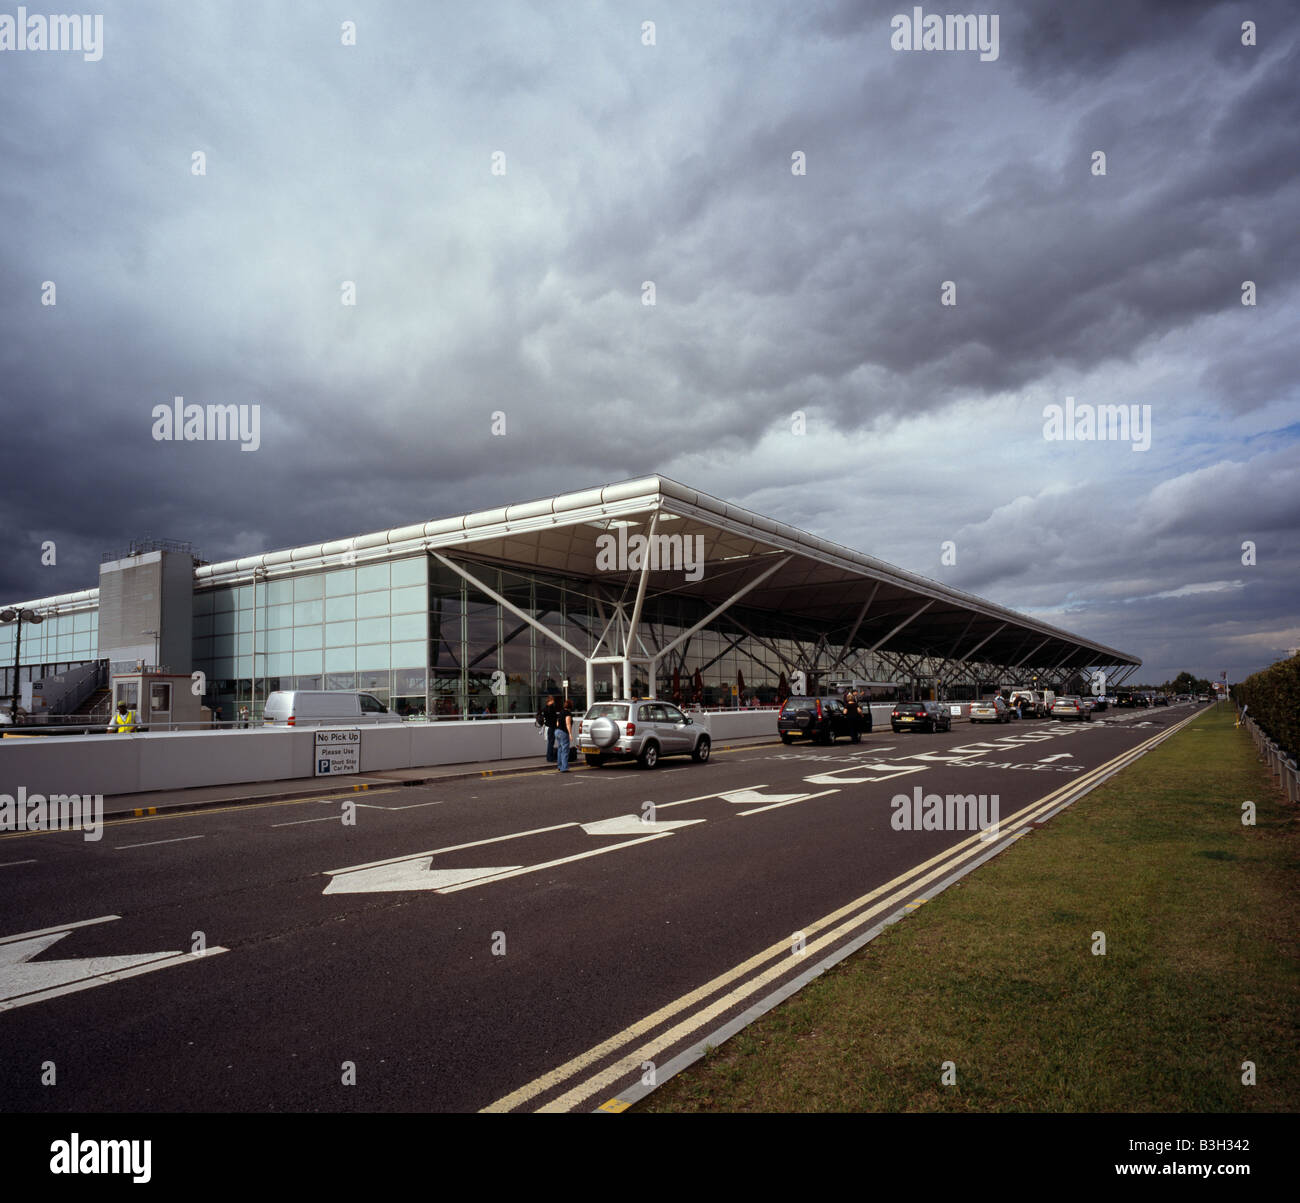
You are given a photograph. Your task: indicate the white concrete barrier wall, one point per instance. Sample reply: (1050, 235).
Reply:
(129, 764)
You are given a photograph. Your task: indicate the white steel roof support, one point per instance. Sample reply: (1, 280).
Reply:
(501, 601)
(731, 601)
(910, 618)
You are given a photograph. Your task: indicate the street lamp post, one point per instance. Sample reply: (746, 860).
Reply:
(20, 617)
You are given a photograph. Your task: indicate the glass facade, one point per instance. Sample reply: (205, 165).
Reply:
(349, 628)
(432, 646)
(57, 643)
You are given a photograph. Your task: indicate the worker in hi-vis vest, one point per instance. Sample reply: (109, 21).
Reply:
(123, 720)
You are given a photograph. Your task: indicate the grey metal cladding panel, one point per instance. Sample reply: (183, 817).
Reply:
(130, 604)
(177, 644)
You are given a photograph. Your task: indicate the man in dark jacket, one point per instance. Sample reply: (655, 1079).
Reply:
(549, 717)
(853, 708)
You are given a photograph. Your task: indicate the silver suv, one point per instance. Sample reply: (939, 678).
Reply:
(642, 730)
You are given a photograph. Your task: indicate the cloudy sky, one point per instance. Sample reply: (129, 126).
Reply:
(499, 182)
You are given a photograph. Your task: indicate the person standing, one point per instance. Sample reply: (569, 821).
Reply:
(854, 710)
(123, 722)
(563, 735)
(549, 717)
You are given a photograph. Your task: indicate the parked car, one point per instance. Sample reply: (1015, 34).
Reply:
(642, 731)
(1099, 703)
(1071, 707)
(920, 716)
(325, 708)
(822, 720)
(1033, 703)
(1161, 699)
(990, 710)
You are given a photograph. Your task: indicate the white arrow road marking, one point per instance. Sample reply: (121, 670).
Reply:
(1058, 756)
(23, 983)
(885, 772)
(747, 797)
(413, 872)
(635, 825)
(564, 860)
(408, 875)
(790, 801)
(706, 797)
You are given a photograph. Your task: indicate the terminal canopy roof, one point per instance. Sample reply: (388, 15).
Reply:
(803, 582)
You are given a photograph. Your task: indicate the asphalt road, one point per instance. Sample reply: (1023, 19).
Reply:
(516, 942)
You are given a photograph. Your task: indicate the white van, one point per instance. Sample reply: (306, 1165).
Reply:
(322, 707)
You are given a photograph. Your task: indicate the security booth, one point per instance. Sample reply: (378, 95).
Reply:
(161, 701)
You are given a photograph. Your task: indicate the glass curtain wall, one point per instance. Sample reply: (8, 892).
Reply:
(432, 646)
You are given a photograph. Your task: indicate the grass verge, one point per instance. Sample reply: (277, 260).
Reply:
(998, 975)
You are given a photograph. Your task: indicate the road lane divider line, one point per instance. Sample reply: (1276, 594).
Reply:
(1010, 830)
(180, 839)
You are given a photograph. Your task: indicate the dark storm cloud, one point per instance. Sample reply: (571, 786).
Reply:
(627, 163)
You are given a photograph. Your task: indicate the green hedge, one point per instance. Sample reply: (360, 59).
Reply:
(1273, 697)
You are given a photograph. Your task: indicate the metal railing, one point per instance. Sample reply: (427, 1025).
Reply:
(1284, 769)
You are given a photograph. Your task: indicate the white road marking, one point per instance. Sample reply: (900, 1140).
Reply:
(407, 875)
(408, 806)
(885, 772)
(63, 927)
(634, 825)
(10, 864)
(23, 983)
(564, 860)
(797, 798)
(152, 843)
(496, 839)
(1058, 756)
(746, 797)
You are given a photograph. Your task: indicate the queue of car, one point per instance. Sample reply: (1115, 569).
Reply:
(645, 730)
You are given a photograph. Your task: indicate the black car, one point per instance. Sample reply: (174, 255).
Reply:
(921, 716)
(822, 720)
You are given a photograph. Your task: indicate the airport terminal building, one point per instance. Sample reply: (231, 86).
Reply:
(646, 585)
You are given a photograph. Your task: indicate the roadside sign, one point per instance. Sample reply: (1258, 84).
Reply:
(338, 751)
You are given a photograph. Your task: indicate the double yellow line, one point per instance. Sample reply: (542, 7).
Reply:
(877, 903)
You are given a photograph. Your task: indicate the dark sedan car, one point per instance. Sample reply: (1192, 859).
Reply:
(822, 720)
(921, 716)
